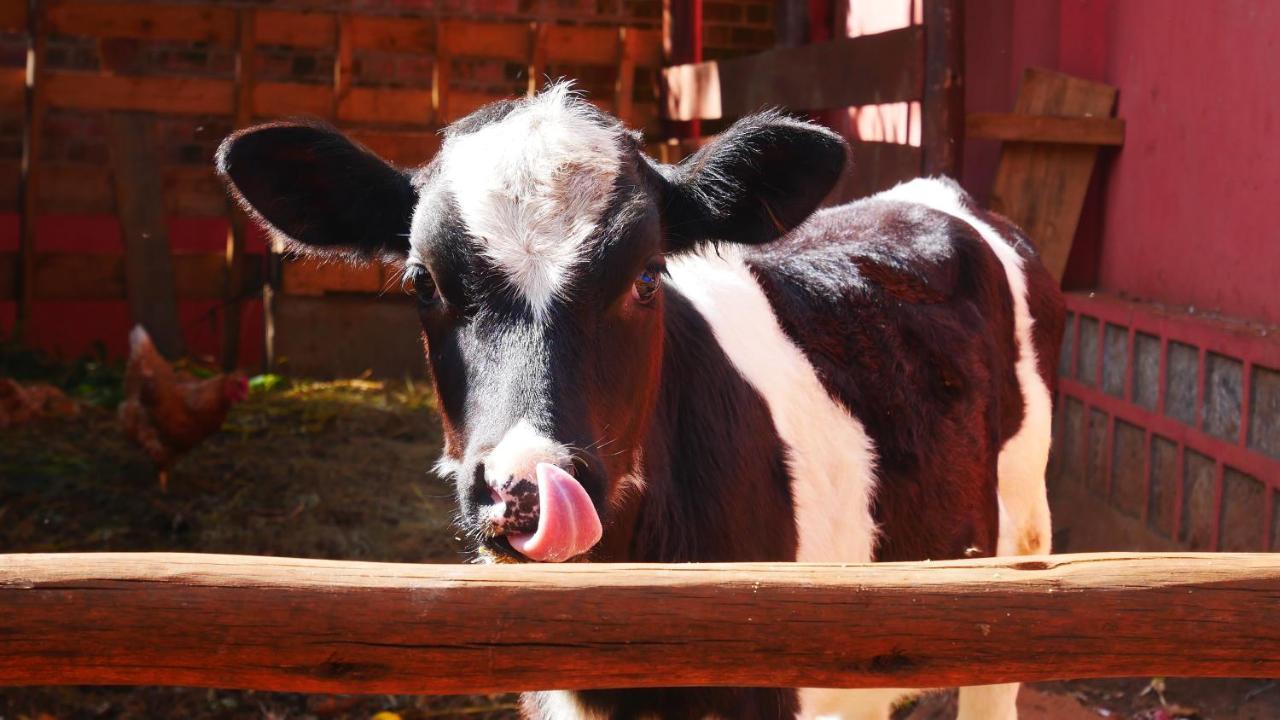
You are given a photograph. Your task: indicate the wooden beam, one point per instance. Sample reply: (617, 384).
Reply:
(194, 23)
(13, 90)
(942, 106)
(313, 30)
(624, 85)
(274, 100)
(1012, 127)
(403, 148)
(386, 106)
(36, 107)
(882, 68)
(13, 16)
(352, 627)
(101, 276)
(149, 280)
(237, 223)
(1041, 187)
(393, 34)
(502, 41)
(158, 94)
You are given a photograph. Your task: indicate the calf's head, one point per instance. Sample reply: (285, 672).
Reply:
(535, 242)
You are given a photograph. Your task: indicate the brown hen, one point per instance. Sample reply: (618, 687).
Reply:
(167, 413)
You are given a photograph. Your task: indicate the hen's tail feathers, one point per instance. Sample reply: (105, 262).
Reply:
(139, 339)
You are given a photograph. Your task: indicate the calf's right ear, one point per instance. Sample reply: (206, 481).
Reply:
(318, 189)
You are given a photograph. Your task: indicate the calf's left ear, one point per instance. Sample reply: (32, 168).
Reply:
(319, 189)
(753, 182)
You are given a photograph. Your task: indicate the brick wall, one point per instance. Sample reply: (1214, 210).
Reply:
(1167, 430)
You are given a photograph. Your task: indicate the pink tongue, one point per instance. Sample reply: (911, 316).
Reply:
(567, 522)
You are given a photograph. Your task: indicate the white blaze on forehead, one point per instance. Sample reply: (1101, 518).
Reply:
(531, 188)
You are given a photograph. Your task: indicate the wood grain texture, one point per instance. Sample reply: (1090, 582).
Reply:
(327, 626)
(1012, 127)
(1041, 187)
(882, 68)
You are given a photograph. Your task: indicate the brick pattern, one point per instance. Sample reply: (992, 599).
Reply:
(1173, 420)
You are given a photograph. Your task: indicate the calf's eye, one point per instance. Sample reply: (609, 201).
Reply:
(646, 286)
(420, 284)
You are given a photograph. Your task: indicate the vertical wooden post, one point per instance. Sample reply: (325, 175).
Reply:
(236, 222)
(342, 64)
(28, 182)
(538, 33)
(440, 78)
(942, 109)
(148, 261)
(624, 86)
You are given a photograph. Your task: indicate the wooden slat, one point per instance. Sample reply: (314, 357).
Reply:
(13, 89)
(462, 102)
(94, 276)
(386, 106)
(942, 106)
(1041, 187)
(287, 624)
(403, 148)
(540, 39)
(85, 189)
(441, 72)
(13, 16)
(10, 179)
(318, 277)
(149, 281)
(344, 63)
(238, 225)
(276, 100)
(503, 41)
(29, 185)
(294, 29)
(159, 94)
(394, 35)
(582, 45)
(624, 83)
(646, 46)
(196, 23)
(1011, 127)
(882, 68)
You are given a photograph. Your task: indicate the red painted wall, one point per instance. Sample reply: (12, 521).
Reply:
(1181, 214)
(71, 329)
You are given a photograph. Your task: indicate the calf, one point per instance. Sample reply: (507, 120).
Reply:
(652, 363)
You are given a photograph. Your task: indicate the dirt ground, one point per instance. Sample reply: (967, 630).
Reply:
(340, 470)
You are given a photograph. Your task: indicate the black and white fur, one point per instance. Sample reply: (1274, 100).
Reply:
(866, 382)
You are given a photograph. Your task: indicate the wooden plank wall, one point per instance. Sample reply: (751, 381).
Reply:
(400, 123)
(921, 63)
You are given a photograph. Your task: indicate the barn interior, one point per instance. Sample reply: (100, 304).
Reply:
(1130, 138)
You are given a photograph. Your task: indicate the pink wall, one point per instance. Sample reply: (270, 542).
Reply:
(1182, 213)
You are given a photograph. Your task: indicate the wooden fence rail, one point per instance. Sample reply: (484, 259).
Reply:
(352, 627)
